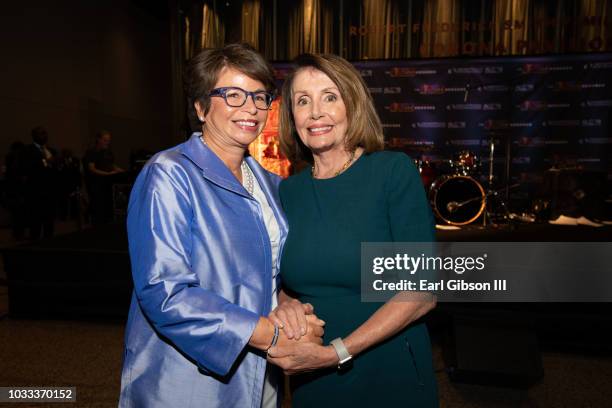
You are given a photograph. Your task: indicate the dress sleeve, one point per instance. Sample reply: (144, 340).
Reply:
(203, 325)
(410, 215)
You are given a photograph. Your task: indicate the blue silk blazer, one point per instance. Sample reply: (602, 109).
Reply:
(202, 269)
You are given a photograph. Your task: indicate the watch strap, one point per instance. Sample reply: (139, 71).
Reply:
(343, 354)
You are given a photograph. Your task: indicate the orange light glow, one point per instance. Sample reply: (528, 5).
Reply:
(266, 148)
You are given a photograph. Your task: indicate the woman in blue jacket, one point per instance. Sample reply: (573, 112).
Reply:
(205, 233)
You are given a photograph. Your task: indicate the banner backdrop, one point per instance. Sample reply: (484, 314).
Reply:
(541, 113)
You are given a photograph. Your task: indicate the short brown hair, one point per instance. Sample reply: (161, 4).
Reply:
(202, 73)
(364, 128)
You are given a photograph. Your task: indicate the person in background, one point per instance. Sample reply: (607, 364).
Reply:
(205, 232)
(37, 170)
(100, 171)
(15, 197)
(352, 192)
(69, 184)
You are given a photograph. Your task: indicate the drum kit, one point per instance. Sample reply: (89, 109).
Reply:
(458, 198)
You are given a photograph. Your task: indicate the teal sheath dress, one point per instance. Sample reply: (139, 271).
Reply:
(380, 198)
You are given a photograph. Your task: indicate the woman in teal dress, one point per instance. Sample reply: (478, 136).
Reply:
(374, 355)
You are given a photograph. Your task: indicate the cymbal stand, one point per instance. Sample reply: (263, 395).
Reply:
(490, 192)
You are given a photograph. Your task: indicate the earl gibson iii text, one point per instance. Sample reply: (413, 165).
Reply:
(433, 267)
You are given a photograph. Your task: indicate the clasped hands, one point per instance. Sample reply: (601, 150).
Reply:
(300, 343)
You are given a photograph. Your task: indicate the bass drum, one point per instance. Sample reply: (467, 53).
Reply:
(457, 200)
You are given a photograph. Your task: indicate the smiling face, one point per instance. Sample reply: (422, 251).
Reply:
(229, 126)
(319, 112)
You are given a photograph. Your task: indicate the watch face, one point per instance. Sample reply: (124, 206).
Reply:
(345, 364)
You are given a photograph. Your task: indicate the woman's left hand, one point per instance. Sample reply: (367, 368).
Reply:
(298, 357)
(290, 315)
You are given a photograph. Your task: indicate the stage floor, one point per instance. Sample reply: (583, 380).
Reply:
(536, 232)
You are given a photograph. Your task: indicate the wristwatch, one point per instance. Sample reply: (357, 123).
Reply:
(344, 357)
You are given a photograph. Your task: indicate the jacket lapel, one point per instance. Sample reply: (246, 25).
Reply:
(213, 169)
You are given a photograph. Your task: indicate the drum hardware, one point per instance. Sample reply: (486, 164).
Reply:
(465, 163)
(501, 202)
(454, 205)
(427, 172)
(480, 202)
(494, 196)
(473, 203)
(522, 217)
(541, 209)
(460, 199)
(457, 199)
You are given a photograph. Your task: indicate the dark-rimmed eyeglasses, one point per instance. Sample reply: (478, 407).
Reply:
(236, 97)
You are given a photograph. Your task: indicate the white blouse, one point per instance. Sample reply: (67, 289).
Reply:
(270, 393)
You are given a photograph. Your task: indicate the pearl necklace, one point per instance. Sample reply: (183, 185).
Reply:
(249, 183)
(313, 169)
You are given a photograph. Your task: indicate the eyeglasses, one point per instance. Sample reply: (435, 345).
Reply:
(236, 97)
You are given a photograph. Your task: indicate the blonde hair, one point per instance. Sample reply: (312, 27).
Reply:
(364, 127)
